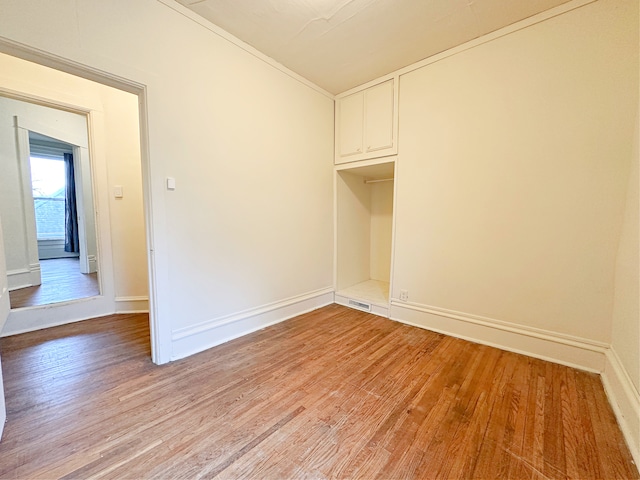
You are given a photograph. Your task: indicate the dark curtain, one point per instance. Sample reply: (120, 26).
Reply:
(71, 241)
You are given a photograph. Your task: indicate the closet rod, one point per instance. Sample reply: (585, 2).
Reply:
(380, 180)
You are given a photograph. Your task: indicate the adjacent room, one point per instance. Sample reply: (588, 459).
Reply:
(337, 239)
(47, 206)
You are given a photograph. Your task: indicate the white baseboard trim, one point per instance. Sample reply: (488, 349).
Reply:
(29, 319)
(559, 348)
(197, 338)
(139, 304)
(624, 399)
(93, 263)
(379, 310)
(24, 277)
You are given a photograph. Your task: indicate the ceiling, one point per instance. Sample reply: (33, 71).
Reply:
(340, 44)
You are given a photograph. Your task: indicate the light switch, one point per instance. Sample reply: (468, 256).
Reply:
(171, 183)
(118, 191)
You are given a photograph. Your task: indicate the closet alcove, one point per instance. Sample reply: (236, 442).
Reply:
(364, 226)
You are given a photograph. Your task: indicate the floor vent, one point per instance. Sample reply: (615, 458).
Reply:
(360, 305)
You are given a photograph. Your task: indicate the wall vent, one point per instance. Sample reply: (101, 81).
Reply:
(360, 305)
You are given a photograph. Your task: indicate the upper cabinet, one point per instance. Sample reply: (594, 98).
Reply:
(366, 123)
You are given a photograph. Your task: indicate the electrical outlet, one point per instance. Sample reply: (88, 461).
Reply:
(404, 295)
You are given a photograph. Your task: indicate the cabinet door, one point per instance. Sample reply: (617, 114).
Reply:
(378, 133)
(351, 122)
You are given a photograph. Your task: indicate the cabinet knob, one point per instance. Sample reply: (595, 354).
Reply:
(359, 149)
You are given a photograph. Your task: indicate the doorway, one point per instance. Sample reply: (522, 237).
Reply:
(111, 125)
(68, 268)
(47, 206)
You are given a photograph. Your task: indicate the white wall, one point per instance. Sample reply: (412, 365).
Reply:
(513, 170)
(517, 196)
(622, 370)
(127, 224)
(381, 230)
(116, 161)
(249, 226)
(353, 209)
(626, 312)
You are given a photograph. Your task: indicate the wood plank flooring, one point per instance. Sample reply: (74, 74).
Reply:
(334, 393)
(61, 281)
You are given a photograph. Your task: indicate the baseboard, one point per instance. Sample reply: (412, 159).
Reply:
(24, 277)
(624, 399)
(139, 304)
(29, 319)
(379, 310)
(48, 249)
(566, 350)
(93, 263)
(197, 338)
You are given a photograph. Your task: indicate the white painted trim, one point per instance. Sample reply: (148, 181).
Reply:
(376, 308)
(394, 212)
(521, 25)
(624, 399)
(139, 304)
(49, 130)
(35, 273)
(5, 308)
(49, 59)
(85, 201)
(546, 345)
(197, 338)
(18, 278)
(507, 326)
(213, 28)
(42, 101)
(53, 248)
(335, 224)
(157, 267)
(4, 313)
(24, 277)
(366, 163)
(30, 319)
(28, 207)
(93, 263)
(3, 406)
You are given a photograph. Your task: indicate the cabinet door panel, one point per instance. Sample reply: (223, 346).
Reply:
(351, 121)
(379, 117)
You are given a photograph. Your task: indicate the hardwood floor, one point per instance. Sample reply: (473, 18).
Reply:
(61, 281)
(334, 393)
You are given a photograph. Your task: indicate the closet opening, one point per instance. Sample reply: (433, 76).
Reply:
(364, 207)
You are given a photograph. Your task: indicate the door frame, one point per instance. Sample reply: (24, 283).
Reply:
(83, 176)
(160, 334)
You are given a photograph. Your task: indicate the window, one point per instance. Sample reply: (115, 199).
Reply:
(48, 184)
